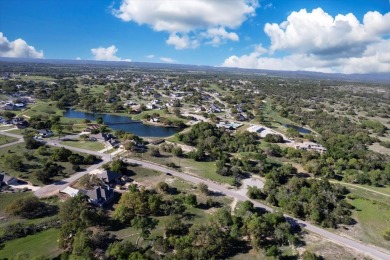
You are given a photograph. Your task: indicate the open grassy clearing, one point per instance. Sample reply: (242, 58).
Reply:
(6, 139)
(89, 145)
(44, 243)
(202, 169)
(372, 212)
(47, 109)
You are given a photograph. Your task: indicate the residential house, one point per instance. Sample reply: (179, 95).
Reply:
(45, 133)
(109, 177)
(7, 180)
(100, 195)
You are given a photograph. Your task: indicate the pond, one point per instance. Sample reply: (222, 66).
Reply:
(124, 123)
(298, 128)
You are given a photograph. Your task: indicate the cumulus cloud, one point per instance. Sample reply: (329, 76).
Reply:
(167, 60)
(17, 49)
(150, 56)
(188, 17)
(182, 41)
(316, 41)
(319, 33)
(107, 54)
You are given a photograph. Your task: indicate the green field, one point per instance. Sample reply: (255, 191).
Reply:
(202, 169)
(372, 212)
(43, 109)
(6, 139)
(88, 145)
(41, 244)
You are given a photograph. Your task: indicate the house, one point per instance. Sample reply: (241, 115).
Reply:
(214, 109)
(310, 146)
(109, 177)
(240, 117)
(7, 180)
(155, 120)
(45, 133)
(100, 195)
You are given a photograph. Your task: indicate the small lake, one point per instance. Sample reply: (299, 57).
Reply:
(124, 123)
(298, 128)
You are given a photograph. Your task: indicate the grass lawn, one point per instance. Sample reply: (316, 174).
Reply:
(203, 169)
(89, 145)
(373, 216)
(6, 139)
(149, 112)
(43, 109)
(41, 244)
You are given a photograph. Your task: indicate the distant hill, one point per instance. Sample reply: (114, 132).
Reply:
(371, 77)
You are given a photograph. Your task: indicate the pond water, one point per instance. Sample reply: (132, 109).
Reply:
(124, 123)
(299, 129)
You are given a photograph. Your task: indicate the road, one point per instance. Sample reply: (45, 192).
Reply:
(53, 188)
(358, 246)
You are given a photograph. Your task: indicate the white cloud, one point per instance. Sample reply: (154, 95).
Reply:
(150, 56)
(182, 41)
(17, 49)
(167, 60)
(183, 18)
(78, 58)
(218, 35)
(319, 33)
(316, 41)
(107, 54)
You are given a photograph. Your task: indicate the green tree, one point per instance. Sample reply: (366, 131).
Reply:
(145, 225)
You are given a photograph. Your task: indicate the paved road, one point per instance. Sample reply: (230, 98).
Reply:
(375, 253)
(53, 188)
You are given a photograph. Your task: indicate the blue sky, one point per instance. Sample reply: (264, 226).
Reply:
(349, 36)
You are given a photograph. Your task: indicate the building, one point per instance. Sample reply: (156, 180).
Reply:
(310, 146)
(7, 180)
(109, 177)
(100, 195)
(45, 133)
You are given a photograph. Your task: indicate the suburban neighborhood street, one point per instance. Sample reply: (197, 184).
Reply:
(223, 189)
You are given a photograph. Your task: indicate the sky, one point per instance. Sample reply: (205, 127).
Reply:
(336, 36)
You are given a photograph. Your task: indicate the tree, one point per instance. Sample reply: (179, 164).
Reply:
(177, 151)
(28, 207)
(82, 244)
(118, 166)
(99, 120)
(145, 225)
(120, 250)
(202, 187)
(191, 200)
(175, 227)
(162, 187)
(154, 151)
(13, 161)
(386, 235)
(58, 128)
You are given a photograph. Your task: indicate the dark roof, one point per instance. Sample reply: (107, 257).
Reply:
(100, 195)
(108, 176)
(4, 178)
